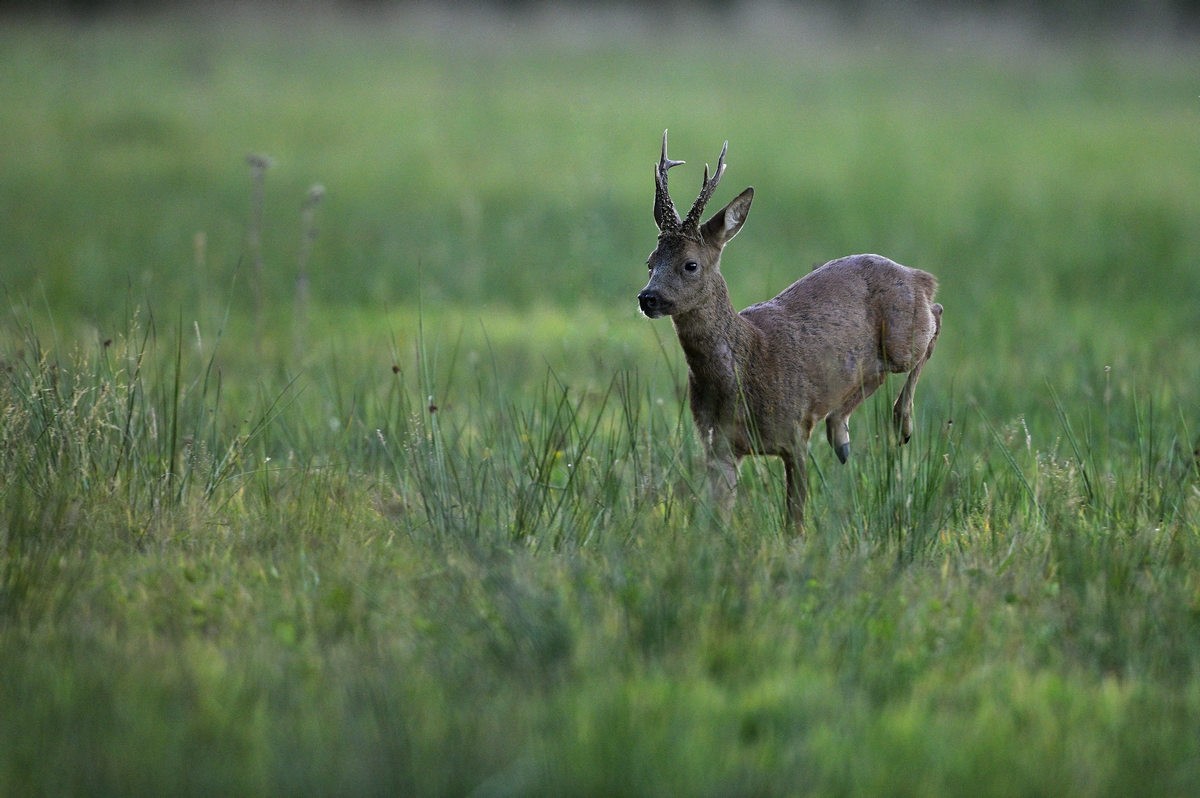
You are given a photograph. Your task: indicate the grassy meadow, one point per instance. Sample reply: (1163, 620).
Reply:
(386, 488)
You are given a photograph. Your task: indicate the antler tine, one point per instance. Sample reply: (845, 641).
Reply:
(665, 163)
(664, 210)
(706, 190)
(720, 169)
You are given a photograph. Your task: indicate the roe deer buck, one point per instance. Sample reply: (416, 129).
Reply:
(760, 380)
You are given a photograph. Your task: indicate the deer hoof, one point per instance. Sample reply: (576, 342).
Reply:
(903, 422)
(843, 451)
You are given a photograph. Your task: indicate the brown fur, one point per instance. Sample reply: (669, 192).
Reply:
(761, 380)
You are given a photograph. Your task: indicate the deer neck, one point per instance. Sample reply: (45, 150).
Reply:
(715, 339)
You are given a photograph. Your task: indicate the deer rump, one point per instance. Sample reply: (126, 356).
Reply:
(832, 336)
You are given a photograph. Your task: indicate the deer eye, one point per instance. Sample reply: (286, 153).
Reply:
(691, 266)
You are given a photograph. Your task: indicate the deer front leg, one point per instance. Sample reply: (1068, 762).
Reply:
(722, 486)
(722, 475)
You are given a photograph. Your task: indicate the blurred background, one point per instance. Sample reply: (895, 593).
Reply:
(1041, 158)
(1067, 13)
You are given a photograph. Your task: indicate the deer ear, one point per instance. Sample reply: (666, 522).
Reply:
(726, 222)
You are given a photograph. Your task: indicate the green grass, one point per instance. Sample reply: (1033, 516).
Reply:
(435, 531)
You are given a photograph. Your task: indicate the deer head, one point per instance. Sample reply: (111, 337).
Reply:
(685, 266)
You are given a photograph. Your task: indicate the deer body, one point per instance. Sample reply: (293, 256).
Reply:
(760, 381)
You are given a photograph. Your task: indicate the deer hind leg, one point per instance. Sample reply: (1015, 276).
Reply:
(837, 423)
(902, 410)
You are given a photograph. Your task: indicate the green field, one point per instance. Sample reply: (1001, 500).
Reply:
(424, 523)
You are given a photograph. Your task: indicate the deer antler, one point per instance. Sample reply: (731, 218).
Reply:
(665, 214)
(706, 191)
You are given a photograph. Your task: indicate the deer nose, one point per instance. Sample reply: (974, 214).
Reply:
(650, 302)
